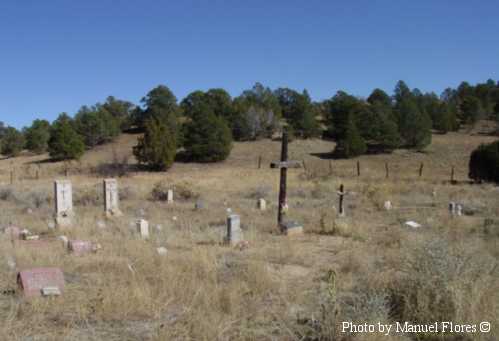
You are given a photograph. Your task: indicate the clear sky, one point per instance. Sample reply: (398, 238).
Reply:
(56, 55)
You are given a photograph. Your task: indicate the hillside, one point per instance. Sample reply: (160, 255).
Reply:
(365, 267)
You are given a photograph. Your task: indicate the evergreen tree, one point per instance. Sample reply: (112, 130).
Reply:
(414, 126)
(160, 103)
(341, 110)
(298, 111)
(96, 125)
(471, 109)
(157, 148)
(12, 142)
(380, 97)
(351, 144)
(121, 111)
(207, 137)
(64, 142)
(37, 136)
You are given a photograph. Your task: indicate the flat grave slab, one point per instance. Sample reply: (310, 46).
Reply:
(80, 247)
(33, 281)
(13, 232)
(292, 228)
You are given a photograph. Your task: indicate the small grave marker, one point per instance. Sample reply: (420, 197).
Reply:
(292, 228)
(261, 204)
(63, 203)
(388, 205)
(412, 224)
(13, 232)
(33, 281)
(51, 291)
(143, 228)
(80, 247)
(199, 205)
(234, 232)
(111, 198)
(162, 251)
(169, 196)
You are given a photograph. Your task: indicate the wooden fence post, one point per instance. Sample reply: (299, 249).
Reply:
(358, 168)
(387, 171)
(421, 169)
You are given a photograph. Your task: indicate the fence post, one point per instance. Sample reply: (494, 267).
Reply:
(387, 171)
(421, 169)
(358, 168)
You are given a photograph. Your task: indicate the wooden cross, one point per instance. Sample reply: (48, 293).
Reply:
(284, 164)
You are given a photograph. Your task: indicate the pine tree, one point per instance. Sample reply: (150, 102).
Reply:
(37, 136)
(64, 142)
(12, 142)
(414, 126)
(157, 148)
(207, 137)
(351, 144)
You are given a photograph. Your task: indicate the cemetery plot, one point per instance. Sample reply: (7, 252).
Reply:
(37, 281)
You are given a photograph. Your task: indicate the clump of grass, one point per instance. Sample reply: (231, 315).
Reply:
(182, 191)
(89, 196)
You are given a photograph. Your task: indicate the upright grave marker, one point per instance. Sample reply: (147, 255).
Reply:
(111, 198)
(234, 232)
(283, 165)
(63, 202)
(169, 196)
(143, 228)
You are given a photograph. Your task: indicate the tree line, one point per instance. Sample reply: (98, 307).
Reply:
(202, 126)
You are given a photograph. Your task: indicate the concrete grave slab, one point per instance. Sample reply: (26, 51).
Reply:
(13, 232)
(292, 228)
(111, 198)
(143, 228)
(234, 232)
(80, 247)
(63, 203)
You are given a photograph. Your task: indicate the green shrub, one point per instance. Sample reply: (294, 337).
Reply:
(484, 163)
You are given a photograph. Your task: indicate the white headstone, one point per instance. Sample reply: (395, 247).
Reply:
(63, 202)
(64, 240)
(162, 251)
(111, 198)
(261, 204)
(459, 209)
(143, 228)
(169, 196)
(412, 224)
(387, 205)
(452, 208)
(234, 232)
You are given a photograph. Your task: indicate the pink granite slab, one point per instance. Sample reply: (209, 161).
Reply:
(31, 281)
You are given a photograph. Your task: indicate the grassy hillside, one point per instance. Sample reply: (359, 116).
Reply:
(365, 267)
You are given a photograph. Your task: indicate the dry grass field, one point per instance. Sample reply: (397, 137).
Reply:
(366, 267)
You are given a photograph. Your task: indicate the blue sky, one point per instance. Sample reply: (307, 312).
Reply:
(57, 55)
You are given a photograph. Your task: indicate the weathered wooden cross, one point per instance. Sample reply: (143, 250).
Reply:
(284, 164)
